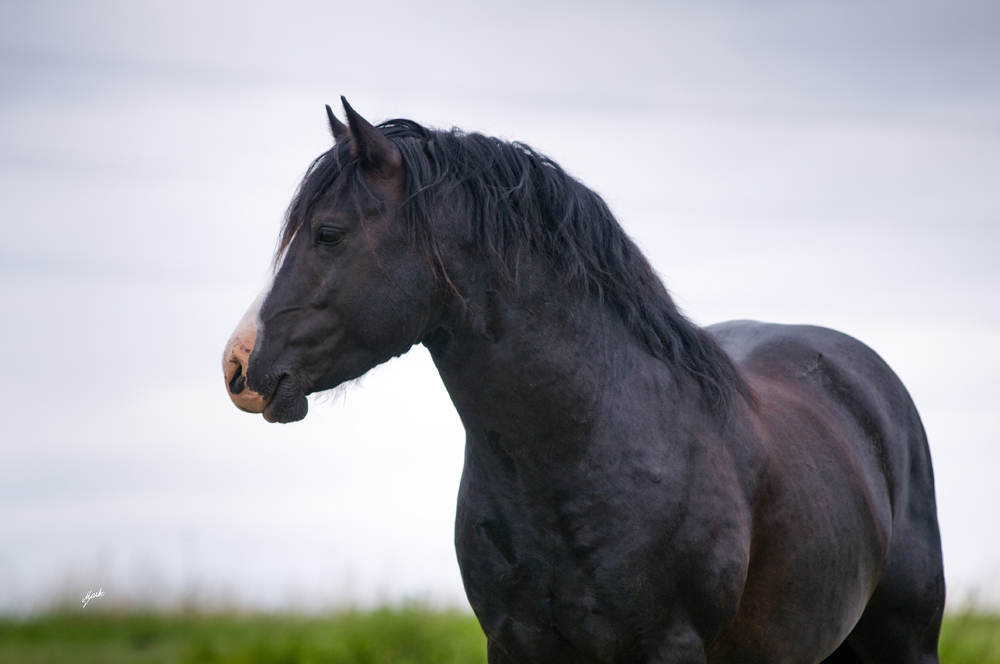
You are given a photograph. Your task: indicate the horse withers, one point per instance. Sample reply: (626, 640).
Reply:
(636, 488)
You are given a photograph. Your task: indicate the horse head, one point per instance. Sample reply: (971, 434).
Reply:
(350, 288)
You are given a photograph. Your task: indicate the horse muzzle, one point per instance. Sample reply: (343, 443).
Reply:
(236, 363)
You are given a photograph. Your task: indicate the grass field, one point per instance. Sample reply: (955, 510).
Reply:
(410, 635)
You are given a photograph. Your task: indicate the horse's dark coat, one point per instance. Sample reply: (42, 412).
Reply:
(636, 489)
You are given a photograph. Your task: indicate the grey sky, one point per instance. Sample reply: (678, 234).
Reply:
(829, 163)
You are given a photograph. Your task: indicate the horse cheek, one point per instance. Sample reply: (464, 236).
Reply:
(391, 316)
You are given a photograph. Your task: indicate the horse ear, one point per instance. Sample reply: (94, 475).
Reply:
(338, 128)
(373, 150)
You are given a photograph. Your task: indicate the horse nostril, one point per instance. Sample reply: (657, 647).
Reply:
(238, 381)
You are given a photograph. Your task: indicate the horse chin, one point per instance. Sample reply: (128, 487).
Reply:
(289, 404)
(286, 410)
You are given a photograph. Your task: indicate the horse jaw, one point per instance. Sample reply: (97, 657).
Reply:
(236, 361)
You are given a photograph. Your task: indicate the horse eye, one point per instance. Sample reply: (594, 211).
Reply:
(330, 236)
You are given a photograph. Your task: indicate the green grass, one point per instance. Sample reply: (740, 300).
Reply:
(404, 636)
(409, 635)
(969, 637)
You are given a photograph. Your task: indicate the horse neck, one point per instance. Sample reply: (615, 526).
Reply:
(538, 366)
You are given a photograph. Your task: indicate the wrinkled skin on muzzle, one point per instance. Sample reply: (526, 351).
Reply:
(351, 292)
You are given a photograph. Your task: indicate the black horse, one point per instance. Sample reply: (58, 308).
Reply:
(636, 489)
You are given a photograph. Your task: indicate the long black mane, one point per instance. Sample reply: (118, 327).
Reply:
(524, 202)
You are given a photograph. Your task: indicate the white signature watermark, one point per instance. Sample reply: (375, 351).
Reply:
(91, 595)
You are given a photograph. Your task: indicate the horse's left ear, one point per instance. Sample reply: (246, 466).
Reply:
(338, 128)
(373, 150)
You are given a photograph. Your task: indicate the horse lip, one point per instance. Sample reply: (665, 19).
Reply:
(267, 399)
(268, 396)
(293, 404)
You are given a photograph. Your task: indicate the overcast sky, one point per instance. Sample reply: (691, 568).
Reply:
(834, 163)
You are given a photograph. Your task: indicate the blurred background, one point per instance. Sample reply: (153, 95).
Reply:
(835, 163)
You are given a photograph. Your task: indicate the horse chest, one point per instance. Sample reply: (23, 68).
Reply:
(551, 584)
